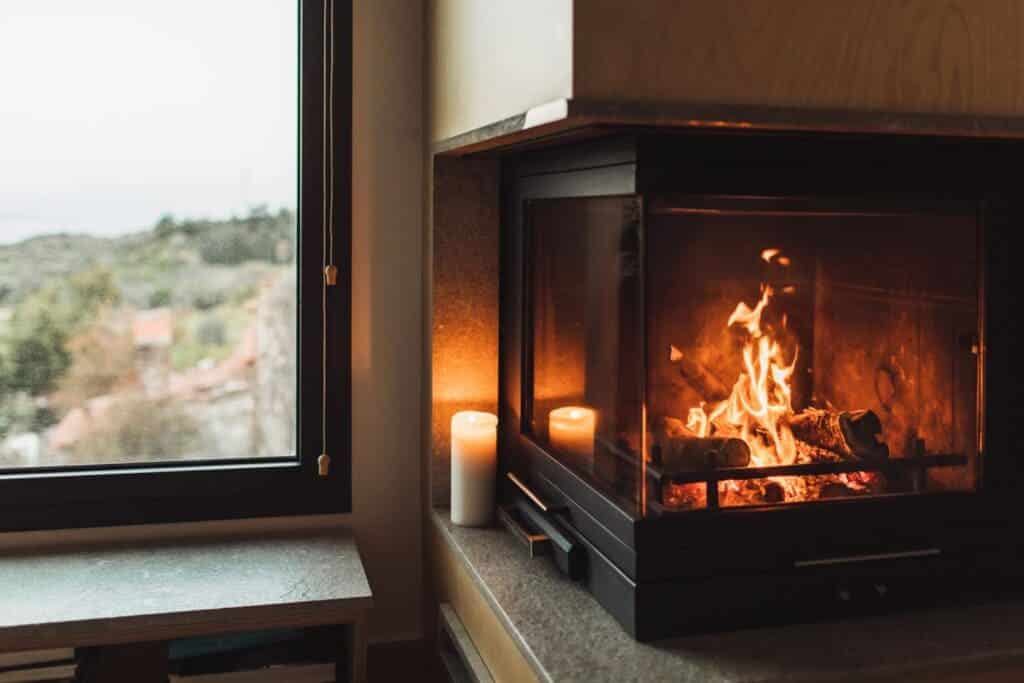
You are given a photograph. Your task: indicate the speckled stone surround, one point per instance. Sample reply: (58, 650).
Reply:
(567, 636)
(464, 303)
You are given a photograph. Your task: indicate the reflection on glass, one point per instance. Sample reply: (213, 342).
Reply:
(587, 318)
(571, 430)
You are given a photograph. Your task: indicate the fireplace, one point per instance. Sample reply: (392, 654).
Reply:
(751, 378)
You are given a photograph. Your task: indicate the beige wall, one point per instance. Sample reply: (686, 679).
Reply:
(387, 328)
(387, 324)
(491, 59)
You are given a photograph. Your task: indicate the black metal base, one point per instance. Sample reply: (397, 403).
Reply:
(652, 576)
(656, 611)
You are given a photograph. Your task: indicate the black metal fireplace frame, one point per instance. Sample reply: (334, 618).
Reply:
(710, 569)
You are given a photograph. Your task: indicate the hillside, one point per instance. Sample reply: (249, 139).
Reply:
(195, 264)
(188, 328)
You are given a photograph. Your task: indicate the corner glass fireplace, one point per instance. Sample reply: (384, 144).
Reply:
(704, 352)
(761, 377)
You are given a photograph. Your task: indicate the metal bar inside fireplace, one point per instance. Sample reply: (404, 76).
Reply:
(733, 473)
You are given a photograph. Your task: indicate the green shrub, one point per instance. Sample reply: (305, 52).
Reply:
(206, 300)
(212, 331)
(160, 298)
(140, 429)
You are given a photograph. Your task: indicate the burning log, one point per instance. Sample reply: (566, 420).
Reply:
(808, 453)
(680, 449)
(850, 434)
(698, 377)
(753, 492)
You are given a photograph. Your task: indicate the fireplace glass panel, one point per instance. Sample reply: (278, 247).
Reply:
(733, 353)
(585, 276)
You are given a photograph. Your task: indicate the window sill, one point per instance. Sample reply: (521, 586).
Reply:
(164, 590)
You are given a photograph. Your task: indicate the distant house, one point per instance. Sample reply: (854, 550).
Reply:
(153, 328)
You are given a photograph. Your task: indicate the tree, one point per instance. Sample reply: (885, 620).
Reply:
(252, 238)
(101, 360)
(37, 356)
(166, 226)
(35, 348)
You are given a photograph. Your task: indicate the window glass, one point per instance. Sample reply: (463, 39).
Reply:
(148, 239)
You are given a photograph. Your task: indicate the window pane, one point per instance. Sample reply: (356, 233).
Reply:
(147, 230)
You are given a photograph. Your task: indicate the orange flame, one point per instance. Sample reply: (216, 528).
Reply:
(773, 254)
(758, 408)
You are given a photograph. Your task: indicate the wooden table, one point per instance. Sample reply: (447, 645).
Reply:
(124, 601)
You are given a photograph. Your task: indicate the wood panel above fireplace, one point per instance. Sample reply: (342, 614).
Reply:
(917, 56)
(874, 63)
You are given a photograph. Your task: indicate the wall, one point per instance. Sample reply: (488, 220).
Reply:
(491, 59)
(387, 324)
(922, 56)
(387, 329)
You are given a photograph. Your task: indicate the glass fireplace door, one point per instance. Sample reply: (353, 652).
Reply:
(586, 379)
(723, 353)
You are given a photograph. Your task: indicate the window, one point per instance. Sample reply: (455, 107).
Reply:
(164, 201)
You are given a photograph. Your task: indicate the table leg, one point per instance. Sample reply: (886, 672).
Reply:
(351, 666)
(136, 662)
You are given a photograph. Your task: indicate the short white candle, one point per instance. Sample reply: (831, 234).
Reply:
(571, 430)
(474, 464)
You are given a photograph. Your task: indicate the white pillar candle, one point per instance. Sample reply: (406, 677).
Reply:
(474, 464)
(571, 430)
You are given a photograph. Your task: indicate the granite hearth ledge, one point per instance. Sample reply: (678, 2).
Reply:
(566, 636)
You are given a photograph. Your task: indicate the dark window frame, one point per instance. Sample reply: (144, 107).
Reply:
(90, 496)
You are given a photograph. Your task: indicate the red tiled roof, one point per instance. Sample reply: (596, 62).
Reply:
(153, 328)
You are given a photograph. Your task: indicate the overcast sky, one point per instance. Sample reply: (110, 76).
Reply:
(113, 112)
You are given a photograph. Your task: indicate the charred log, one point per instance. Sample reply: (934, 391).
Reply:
(774, 492)
(679, 449)
(852, 435)
(836, 490)
(698, 377)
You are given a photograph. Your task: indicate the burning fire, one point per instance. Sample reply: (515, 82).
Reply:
(758, 408)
